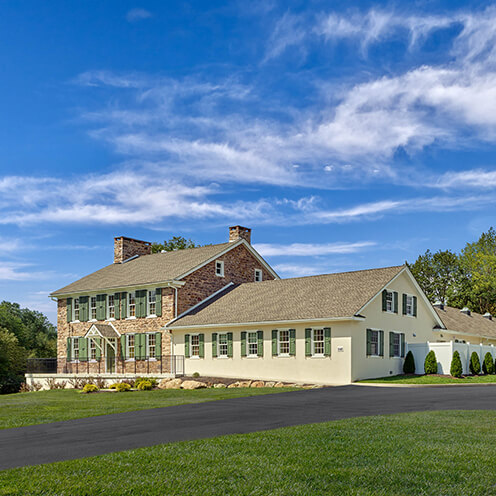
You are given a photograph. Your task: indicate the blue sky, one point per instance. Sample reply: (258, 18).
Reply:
(346, 137)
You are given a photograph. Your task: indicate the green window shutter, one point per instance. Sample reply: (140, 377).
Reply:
(83, 308)
(123, 305)
(83, 349)
(101, 307)
(414, 306)
(243, 343)
(186, 346)
(308, 342)
(98, 342)
(69, 309)
(292, 342)
(140, 346)
(143, 302)
(158, 344)
(327, 341)
(214, 345)
(201, 351)
(274, 342)
(158, 302)
(69, 349)
(140, 300)
(369, 342)
(117, 305)
(381, 343)
(404, 304)
(230, 344)
(123, 346)
(402, 344)
(391, 344)
(260, 344)
(395, 301)
(384, 300)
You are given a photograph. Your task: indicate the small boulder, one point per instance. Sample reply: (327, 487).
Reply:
(234, 385)
(193, 385)
(220, 385)
(244, 384)
(279, 384)
(270, 384)
(163, 383)
(173, 384)
(257, 384)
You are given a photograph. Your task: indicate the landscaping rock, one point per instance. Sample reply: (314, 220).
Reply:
(270, 384)
(233, 385)
(219, 385)
(257, 384)
(193, 385)
(163, 383)
(279, 384)
(174, 384)
(244, 384)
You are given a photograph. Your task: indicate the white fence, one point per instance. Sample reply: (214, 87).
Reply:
(444, 354)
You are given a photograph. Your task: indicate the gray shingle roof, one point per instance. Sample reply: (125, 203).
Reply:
(107, 331)
(147, 269)
(474, 324)
(301, 298)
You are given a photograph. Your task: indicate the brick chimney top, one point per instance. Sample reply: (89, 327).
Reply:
(125, 248)
(237, 232)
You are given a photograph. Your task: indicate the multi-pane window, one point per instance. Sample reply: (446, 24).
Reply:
(75, 348)
(92, 349)
(76, 309)
(195, 345)
(93, 307)
(252, 344)
(389, 301)
(219, 268)
(223, 351)
(152, 302)
(409, 305)
(151, 345)
(284, 342)
(396, 345)
(258, 275)
(131, 305)
(111, 306)
(318, 341)
(374, 343)
(130, 346)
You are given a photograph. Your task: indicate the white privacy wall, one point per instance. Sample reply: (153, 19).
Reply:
(444, 354)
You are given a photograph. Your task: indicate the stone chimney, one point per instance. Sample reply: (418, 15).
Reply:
(237, 232)
(125, 248)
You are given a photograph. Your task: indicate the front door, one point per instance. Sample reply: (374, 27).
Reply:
(110, 356)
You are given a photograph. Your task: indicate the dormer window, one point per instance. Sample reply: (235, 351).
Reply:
(258, 275)
(219, 268)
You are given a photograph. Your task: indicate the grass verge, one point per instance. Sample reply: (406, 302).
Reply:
(433, 379)
(429, 453)
(17, 410)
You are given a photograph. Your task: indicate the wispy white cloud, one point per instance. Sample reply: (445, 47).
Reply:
(138, 14)
(311, 249)
(288, 32)
(476, 178)
(16, 271)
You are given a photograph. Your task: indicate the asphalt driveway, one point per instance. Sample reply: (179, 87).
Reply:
(80, 438)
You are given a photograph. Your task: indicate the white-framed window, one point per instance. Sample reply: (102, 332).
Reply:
(396, 344)
(252, 342)
(75, 312)
(131, 351)
(152, 303)
(219, 268)
(131, 304)
(318, 346)
(283, 342)
(195, 345)
(409, 305)
(151, 345)
(92, 349)
(75, 348)
(111, 306)
(93, 307)
(389, 301)
(258, 275)
(222, 348)
(374, 342)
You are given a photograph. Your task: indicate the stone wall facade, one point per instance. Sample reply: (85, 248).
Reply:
(125, 248)
(239, 267)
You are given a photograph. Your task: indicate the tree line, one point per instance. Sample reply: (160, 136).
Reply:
(461, 279)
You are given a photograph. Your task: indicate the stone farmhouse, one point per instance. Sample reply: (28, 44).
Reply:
(221, 310)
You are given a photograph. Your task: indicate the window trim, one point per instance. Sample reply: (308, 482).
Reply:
(219, 264)
(109, 307)
(75, 339)
(128, 335)
(378, 355)
(408, 295)
(148, 303)
(219, 334)
(194, 357)
(74, 309)
(279, 354)
(90, 349)
(388, 292)
(248, 354)
(129, 316)
(147, 343)
(258, 272)
(402, 352)
(312, 343)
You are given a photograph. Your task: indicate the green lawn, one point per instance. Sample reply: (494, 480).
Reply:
(435, 453)
(41, 407)
(433, 379)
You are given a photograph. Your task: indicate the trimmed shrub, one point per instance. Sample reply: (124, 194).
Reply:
(430, 364)
(145, 386)
(456, 369)
(409, 365)
(475, 367)
(120, 387)
(138, 380)
(90, 388)
(487, 364)
(196, 375)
